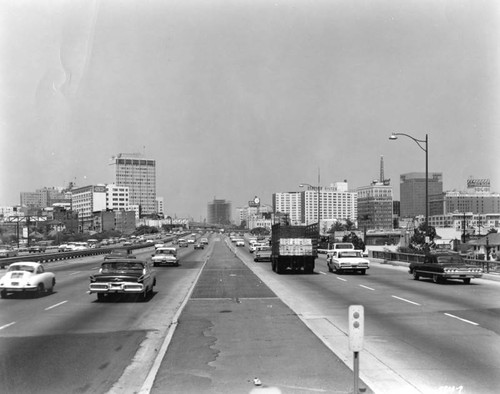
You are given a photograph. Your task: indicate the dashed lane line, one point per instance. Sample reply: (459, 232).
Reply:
(7, 325)
(464, 320)
(56, 305)
(405, 300)
(366, 287)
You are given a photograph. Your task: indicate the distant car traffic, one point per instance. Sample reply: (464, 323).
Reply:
(441, 266)
(204, 241)
(239, 242)
(37, 249)
(27, 277)
(120, 253)
(8, 251)
(182, 243)
(123, 276)
(340, 260)
(199, 245)
(165, 256)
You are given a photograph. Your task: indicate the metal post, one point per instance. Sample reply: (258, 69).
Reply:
(356, 372)
(426, 181)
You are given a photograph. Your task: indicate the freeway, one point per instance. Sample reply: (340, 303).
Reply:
(68, 342)
(419, 336)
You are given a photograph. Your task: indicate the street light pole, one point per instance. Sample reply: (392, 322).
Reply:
(426, 150)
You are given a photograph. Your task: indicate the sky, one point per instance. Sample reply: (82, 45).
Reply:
(243, 98)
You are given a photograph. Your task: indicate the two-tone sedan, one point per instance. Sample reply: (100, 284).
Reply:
(441, 266)
(340, 260)
(123, 276)
(165, 256)
(27, 277)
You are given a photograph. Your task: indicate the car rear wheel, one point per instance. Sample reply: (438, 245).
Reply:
(329, 268)
(436, 278)
(467, 281)
(39, 290)
(3, 294)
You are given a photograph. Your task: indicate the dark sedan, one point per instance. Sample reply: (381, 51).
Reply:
(441, 266)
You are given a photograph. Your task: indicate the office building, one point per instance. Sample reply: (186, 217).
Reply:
(117, 198)
(375, 206)
(139, 175)
(219, 212)
(87, 200)
(412, 192)
(477, 199)
(336, 202)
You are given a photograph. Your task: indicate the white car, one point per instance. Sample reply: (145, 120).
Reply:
(7, 251)
(27, 277)
(165, 256)
(240, 242)
(341, 260)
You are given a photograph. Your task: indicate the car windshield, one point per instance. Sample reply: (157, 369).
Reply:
(121, 266)
(27, 268)
(450, 260)
(165, 251)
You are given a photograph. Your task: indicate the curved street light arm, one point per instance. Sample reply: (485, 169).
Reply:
(417, 141)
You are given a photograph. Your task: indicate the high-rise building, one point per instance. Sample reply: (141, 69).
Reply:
(289, 203)
(375, 206)
(139, 175)
(336, 202)
(412, 192)
(219, 212)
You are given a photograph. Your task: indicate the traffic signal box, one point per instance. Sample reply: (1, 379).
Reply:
(356, 327)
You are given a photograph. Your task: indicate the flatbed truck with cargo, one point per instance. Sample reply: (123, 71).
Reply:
(294, 248)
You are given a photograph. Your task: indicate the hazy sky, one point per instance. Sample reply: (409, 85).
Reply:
(235, 99)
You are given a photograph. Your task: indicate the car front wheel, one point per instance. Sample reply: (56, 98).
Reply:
(467, 281)
(436, 278)
(416, 276)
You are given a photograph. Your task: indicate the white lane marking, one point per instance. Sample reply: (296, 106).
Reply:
(405, 300)
(76, 272)
(345, 280)
(459, 318)
(321, 272)
(56, 305)
(366, 287)
(7, 325)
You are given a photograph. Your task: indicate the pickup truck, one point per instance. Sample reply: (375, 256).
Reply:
(263, 253)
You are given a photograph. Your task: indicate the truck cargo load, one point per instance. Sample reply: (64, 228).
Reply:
(294, 248)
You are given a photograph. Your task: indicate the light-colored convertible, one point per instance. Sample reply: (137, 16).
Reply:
(27, 277)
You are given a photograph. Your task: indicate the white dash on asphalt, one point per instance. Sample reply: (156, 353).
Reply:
(345, 280)
(405, 300)
(459, 318)
(56, 305)
(366, 287)
(322, 273)
(7, 325)
(76, 272)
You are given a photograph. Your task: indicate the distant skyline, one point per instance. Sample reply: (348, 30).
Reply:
(247, 98)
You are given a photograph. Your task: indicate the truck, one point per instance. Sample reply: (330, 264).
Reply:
(294, 248)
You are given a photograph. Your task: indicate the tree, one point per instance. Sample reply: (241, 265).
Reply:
(417, 241)
(355, 240)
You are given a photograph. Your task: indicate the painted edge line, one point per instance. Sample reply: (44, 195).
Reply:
(464, 320)
(405, 300)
